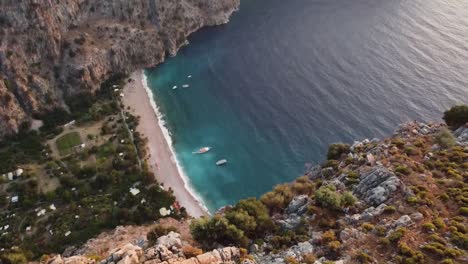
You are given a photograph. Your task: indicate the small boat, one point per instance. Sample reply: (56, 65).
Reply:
(221, 162)
(174, 87)
(202, 150)
(185, 86)
(190, 76)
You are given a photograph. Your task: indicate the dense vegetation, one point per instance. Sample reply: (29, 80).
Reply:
(81, 190)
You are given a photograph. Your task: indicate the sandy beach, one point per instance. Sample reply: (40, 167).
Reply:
(161, 159)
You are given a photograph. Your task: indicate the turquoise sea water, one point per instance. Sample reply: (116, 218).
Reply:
(271, 89)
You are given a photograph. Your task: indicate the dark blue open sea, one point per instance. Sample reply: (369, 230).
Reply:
(271, 89)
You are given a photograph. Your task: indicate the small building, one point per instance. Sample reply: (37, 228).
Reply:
(67, 233)
(134, 191)
(19, 172)
(41, 212)
(164, 212)
(71, 123)
(52, 207)
(10, 176)
(14, 199)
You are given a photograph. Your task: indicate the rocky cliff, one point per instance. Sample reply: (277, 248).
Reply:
(53, 50)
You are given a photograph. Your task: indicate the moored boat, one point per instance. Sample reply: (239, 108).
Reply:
(202, 150)
(221, 162)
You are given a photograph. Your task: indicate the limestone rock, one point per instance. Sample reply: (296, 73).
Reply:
(170, 241)
(298, 205)
(416, 216)
(461, 135)
(290, 222)
(376, 186)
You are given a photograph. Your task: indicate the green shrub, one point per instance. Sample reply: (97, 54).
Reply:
(447, 261)
(441, 250)
(463, 211)
(279, 198)
(384, 241)
(331, 163)
(363, 257)
(13, 258)
(402, 169)
(336, 150)
(328, 236)
(459, 239)
(445, 138)
(399, 142)
(309, 258)
(396, 235)
(348, 199)
(380, 230)
(411, 256)
(410, 151)
(328, 197)
(436, 238)
(413, 199)
(439, 223)
(428, 227)
(251, 216)
(334, 246)
(290, 260)
(210, 231)
(390, 209)
(456, 116)
(367, 227)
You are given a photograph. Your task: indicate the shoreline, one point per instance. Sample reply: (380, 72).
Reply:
(162, 160)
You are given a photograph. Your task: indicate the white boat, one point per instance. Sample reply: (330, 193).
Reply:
(174, 87)
(202, 150)
(221, 162)
(185, 86)
(190, 76)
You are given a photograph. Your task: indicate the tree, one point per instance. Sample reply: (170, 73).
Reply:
(279, 198)
(336, 150)
(217, 230)
(251, 216)
(456, 116)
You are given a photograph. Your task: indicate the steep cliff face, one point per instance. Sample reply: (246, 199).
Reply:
(51, 50)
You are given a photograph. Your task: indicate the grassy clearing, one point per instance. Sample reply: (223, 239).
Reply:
(66, 142)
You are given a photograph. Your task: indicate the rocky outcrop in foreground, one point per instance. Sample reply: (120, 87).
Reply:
(52, 50)
(168, 249)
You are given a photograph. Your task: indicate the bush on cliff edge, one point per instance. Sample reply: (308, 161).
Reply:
(456, 116)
